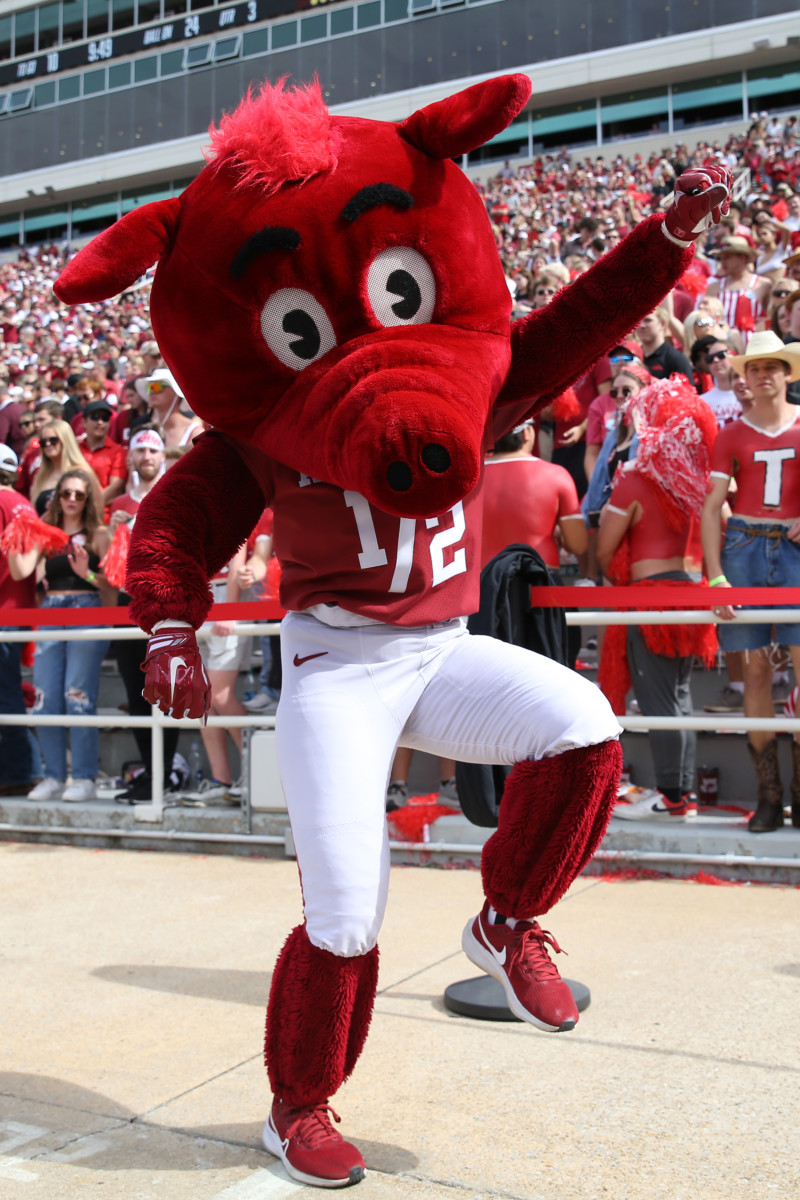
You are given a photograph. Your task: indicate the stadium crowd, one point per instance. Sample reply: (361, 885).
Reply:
(86, 400)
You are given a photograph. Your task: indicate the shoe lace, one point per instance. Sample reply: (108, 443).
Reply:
(534, 949)
(316, 1124)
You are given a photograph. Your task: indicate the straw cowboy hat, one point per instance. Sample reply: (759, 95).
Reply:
(737, 245)
(769, 345)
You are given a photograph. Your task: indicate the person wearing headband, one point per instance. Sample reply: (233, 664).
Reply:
(146, 462)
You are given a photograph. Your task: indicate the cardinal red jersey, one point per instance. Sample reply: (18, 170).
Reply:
(651, 536)
(336, 548)
(766, 467)
(125, 503)
(523, 501)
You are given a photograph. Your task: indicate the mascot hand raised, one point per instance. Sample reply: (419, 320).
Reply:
(699, 200)
(175, 677)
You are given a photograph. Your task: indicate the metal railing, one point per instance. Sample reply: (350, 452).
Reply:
(153, 813)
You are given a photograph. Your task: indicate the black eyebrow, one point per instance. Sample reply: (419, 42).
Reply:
(273, 237)
(372, 196)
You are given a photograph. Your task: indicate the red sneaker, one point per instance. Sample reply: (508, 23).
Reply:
(518, 959)
(310, 1148)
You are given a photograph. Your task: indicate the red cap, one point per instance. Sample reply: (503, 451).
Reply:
(631, 346)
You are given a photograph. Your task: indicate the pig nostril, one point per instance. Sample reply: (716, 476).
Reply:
(435, 458)
(399, 477)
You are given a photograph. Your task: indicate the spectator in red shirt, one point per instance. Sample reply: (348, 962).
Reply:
(20, 762)
(603, 410)
(525, 499)
(105, 457)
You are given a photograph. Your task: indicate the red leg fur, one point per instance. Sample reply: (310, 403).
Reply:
(318, 1016)
(553, 815)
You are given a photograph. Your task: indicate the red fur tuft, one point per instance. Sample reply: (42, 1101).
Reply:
(320, 1006)
(553, 815)
(275, 136)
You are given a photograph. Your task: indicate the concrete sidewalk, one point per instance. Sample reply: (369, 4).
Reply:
(132, 1004)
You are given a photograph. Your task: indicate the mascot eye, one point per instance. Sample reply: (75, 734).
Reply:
(401, 287)
(296, 328)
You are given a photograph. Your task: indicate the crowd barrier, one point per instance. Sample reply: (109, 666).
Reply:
(609, 606)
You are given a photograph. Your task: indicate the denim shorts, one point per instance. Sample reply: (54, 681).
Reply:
(759, 556)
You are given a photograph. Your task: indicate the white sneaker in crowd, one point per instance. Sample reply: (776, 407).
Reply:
(262, 703)
(79, 791)
(448, 795)
(47, 789)
(212, 792)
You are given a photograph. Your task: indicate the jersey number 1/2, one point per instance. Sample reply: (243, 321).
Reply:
(373, 555)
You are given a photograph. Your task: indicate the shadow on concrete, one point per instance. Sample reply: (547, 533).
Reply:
(207, 983)
(45, 1089)
(153, 1146)
(792, 969)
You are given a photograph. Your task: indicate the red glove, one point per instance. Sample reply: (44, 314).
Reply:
(699, 200)
(175, 677)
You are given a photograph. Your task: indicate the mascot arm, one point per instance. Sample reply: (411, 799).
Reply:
(186, 529)
(553, 347)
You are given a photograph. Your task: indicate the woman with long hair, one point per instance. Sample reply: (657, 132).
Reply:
(603, 458)
(649, 536)
(60, 453)
(66, 675)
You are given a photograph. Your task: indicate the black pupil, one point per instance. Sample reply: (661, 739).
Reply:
(402, 283)
(304, 327)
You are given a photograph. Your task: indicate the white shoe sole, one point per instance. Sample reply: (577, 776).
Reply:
(42, 798)
(620, 812)
(274, 1145)
(482, 958)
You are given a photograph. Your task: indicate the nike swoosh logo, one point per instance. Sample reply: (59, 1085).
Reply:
(174, 663)
(500, 955)
(298, 661)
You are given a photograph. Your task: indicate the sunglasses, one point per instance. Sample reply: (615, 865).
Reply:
(85, 395)
(621, 393)
(705, 322)
(26, 424)
(46, 443)
(620, 358)
(716, 356)
(784, 294)
(542, 291)
(72, 494)
(157, 386)
(98, 416)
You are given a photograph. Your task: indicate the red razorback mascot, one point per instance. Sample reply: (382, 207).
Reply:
(330, 299)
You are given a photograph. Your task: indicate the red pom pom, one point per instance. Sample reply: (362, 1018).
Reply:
(272, 580)
(566, 407)
(693, 281)
(27, 532)
(116, 558)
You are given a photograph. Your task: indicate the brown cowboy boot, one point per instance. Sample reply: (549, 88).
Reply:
(769, 810)
(796, 784)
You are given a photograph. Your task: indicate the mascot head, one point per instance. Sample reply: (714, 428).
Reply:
(329, 290)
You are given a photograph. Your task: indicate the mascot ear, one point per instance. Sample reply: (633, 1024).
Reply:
(117, 257)
(452, 127)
